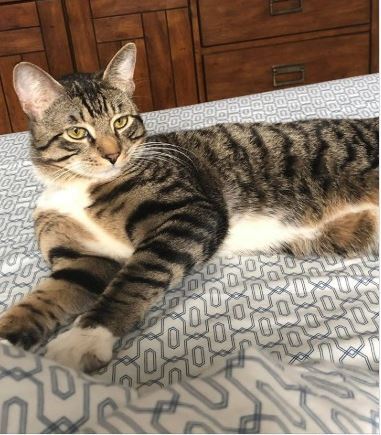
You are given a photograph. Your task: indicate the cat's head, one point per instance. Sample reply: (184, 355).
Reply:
(84, 125)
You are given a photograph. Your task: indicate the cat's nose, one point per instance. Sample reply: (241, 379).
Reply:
(112, 157)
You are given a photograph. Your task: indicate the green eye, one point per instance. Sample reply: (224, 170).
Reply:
(121, 122)
(77, 132)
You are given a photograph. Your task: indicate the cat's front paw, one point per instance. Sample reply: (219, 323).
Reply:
(84, 349)
(23, 326)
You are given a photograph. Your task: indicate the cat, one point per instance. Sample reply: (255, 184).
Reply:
(124, 216)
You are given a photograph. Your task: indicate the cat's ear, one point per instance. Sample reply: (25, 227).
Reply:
(35, 88)
(120, 71)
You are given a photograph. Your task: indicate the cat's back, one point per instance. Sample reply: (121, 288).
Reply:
(320, 148)
(260, 165)
(291, 141)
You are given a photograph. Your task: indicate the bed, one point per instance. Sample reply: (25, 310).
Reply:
(246, 344)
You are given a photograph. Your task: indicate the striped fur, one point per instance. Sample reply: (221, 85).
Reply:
(119, 234)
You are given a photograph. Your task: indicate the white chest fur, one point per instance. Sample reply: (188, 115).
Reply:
(72, 201)
(253, 233)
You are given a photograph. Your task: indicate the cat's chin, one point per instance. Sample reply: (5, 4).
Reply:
(108, 174)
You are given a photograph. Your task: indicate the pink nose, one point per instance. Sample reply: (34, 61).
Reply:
(112, 157)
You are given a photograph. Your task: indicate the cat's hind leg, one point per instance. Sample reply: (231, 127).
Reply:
(350, 234)
(72, 288)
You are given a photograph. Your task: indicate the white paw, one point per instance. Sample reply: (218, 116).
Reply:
(85, 349)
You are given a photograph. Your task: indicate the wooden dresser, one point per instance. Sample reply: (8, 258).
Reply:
(190, 51)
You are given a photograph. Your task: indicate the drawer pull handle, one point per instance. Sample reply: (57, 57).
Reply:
(294, 75)
(293, 6)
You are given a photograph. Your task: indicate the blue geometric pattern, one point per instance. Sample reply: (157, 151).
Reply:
(247, 392)
(244, 344)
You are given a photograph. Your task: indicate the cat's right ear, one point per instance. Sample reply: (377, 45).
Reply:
(120, 70)
(36, 89)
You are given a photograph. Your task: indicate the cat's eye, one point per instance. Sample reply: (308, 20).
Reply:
(121, 122)
(77, 132)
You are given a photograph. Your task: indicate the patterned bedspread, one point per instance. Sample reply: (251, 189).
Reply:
(248, 344)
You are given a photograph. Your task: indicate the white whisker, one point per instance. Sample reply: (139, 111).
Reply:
(153, 149)
(171, 145)
(148, 159)
(174, 148)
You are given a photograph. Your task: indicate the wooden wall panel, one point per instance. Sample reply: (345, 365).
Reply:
(38, 58)
(107, 8)
(21, 41)
(5, 125)
(106, 51)
(183, 62)
(142, 95)
(55, 39)
(159, 61)
(82, 35)
(17, 118)
(374, 45)
(197, 50)
(15, 16)
(165, 72)
(118, 28)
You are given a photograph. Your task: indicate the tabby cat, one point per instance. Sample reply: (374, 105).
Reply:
(124, 216)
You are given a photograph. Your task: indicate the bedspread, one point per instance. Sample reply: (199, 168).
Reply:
(245, 344)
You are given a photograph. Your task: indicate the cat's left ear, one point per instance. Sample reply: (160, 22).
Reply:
(120, 71)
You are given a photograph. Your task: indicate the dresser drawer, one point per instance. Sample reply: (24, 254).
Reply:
(259, 69)
(226, 21)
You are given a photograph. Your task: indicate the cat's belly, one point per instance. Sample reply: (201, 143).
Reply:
(72, 201)
(260, 233)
